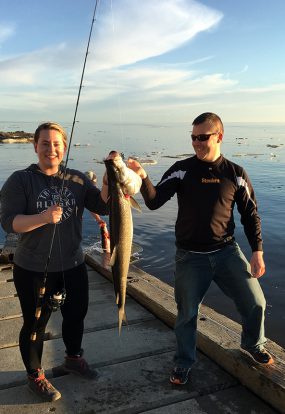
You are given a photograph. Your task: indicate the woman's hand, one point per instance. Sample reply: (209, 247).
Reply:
(53, 214)
(23, 223)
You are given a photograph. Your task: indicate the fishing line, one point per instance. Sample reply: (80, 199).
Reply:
(116, 80)
(43, 288)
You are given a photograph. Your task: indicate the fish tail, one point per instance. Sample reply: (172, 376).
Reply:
(122, 317)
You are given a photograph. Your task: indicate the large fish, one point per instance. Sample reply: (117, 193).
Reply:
(122, 183)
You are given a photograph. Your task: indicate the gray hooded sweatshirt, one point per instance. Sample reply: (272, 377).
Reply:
(30, 191)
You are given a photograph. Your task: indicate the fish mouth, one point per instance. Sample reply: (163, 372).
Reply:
(116, 154)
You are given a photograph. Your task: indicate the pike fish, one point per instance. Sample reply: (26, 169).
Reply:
(121, 180)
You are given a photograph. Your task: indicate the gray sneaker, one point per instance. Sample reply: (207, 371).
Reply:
(38, 383)
(79, 366)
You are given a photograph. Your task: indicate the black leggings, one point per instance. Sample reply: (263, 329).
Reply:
(73, 311)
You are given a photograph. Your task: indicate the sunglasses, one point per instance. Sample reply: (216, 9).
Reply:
(203, 137)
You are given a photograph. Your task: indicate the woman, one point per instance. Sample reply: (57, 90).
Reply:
(45, 204)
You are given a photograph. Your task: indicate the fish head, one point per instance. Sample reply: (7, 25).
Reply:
(116, 164)
(129, 181)
(111, 170)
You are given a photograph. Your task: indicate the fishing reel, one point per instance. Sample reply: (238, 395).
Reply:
(56, 300)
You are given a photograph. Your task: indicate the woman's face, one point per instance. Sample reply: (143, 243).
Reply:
(50, 149)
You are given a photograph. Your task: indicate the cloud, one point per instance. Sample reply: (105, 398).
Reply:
(155, 84)
(118, 65)
(6, 31)
(40, 67)
(277, 87)
(139, 30)
(244, 69)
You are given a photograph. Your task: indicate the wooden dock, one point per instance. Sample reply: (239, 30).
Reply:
(134, 368)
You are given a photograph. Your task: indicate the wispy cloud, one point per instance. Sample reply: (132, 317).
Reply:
(132, 32)
(124, 40)
(148, 29)
(156, 84)
(244, 69)
(6, 31)
(40, 67)
(277, 87)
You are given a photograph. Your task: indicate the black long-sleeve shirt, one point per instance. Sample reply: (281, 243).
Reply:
(206, 194)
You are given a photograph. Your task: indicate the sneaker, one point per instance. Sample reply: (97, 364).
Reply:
(179, 375)
(38, 383)
(78, 365)
(261, 355)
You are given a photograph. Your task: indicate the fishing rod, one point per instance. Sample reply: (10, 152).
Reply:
(58, 299)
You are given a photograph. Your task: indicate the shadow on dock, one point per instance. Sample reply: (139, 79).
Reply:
(134, 368)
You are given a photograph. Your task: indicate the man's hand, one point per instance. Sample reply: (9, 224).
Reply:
(257, 264)
(137, 168)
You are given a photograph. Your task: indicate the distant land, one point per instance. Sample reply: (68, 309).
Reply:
(16, 136)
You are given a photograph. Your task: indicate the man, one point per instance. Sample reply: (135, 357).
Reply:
(207, 187)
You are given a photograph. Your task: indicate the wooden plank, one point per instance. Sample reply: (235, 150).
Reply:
(10, 308)
(5, 266)
(102, 314)
(229, 401)
(215, 338)
(132, 386)
(6, 275)
(9, 331)
(7, 290)
(101, 348)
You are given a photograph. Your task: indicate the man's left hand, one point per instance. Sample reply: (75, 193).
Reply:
(257, 264)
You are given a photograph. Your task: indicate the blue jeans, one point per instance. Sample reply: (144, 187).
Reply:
(230, 270)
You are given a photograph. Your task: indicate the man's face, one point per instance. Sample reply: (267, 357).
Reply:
(50, 149)
(208, 150)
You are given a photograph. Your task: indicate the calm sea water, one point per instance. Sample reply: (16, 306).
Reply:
(260, 148)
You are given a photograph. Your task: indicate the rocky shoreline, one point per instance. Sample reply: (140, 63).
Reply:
(16, 136)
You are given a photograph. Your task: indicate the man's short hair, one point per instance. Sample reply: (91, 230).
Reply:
(210, 117)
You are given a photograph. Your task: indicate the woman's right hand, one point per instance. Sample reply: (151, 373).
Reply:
(53, 214)
(23, 223)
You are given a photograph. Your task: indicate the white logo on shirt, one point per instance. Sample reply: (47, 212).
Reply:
(176, 174)
(51, 196)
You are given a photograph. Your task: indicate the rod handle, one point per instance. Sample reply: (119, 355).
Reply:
(42, 291)
(38, 312)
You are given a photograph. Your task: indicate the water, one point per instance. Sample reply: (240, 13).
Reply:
(260, 148)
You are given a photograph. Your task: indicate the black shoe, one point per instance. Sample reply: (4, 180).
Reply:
(38, 383)
(179, 375)
(261, 355)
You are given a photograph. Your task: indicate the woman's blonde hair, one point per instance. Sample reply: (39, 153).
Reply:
(50, 125)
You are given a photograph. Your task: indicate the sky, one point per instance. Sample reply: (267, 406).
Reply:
(149, 62)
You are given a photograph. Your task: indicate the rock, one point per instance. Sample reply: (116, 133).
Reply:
(16, 136)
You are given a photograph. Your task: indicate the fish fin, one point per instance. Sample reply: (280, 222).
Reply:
(122, 317)
(113, 257)
(135, 204)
